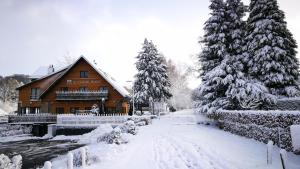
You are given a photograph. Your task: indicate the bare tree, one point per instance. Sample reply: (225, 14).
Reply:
(8, 91)
(66, 60)
(179, 87)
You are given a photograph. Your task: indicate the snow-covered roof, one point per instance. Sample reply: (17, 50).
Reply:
(114, 83)
(108, 78)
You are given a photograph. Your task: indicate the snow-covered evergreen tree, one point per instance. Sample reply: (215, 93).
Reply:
(226, 85)
(211, 93)
(213, 41)
(271, 48)
(151, 82)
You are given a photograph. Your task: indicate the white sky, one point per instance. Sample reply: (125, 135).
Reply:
(37, 33)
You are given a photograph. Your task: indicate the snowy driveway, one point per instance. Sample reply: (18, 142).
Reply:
(177, 142)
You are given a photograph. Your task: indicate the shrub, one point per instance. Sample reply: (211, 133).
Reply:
(260, 125)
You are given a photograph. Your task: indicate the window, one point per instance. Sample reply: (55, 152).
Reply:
(83, 74)
(64, 89)
(34, 93)
(83, 89)
(60, 110)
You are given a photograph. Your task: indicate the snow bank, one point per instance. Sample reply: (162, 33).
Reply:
(295, 132)
(7, 163)
(103, 143)
(260, 125)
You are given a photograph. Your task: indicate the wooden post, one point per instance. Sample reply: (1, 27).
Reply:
(47, 165)
(83, 156)
(283, 157)
(269, 152)
(70, 160)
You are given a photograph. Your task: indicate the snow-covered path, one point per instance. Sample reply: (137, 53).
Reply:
(177, 142)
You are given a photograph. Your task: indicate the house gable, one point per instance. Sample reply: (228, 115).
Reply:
(71, 79)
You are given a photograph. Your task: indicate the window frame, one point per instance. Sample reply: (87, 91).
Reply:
(83, 74)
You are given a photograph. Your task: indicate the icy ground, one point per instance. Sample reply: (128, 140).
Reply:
(176, 142)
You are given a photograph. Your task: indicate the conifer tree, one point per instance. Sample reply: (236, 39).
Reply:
(151, 82)
(271, 49)
(211, 93)
(214, 38)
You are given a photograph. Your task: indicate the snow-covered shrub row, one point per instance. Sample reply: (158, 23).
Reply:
(139, 120)
(118, 134)
(129, 127)
(114, 137)
(288, 104)
(7, 163)
(260, 125)
(11, 130)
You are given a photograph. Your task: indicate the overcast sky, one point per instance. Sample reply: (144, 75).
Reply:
(40, 32)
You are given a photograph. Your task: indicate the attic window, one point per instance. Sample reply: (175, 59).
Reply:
(83, 74)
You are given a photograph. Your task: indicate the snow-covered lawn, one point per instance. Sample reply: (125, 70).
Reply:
(176, 141)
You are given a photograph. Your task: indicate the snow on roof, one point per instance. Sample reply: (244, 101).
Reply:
(114, 83)
(110, 79)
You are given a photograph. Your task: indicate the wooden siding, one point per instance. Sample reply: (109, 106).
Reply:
(71, 79)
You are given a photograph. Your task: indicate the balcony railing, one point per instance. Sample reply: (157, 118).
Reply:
(81, 95)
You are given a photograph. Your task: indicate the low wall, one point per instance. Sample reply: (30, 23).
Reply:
(32, 118)
(88, 120)
(3, 119)
(260, 125)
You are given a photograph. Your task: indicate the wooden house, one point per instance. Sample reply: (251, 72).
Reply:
(76, 88)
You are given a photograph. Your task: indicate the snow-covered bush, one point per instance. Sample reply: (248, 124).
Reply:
(129, 127)
(114, 137)
(287, 104)
(11, 130)
(77, 158)
(146, 119)
(7, 163)
(260, 125)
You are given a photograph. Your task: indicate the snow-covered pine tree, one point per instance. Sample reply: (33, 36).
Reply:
(164, 84)
(211, 93)
(151, 82)
(242, 92)
(213, 40)
(271, 46)
(226, 85)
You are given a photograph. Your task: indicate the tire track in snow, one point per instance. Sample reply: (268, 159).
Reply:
(171, 153)
(207, 157)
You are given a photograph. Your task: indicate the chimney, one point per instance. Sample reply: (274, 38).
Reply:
(50, 69)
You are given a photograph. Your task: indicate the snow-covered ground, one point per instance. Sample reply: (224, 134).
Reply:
(176, 141)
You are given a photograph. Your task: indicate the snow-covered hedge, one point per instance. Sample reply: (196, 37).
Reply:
(11, 130)
(118, 134)
(260, 125)
(288, 104)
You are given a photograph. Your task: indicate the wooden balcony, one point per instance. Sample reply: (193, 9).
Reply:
(81, 95)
